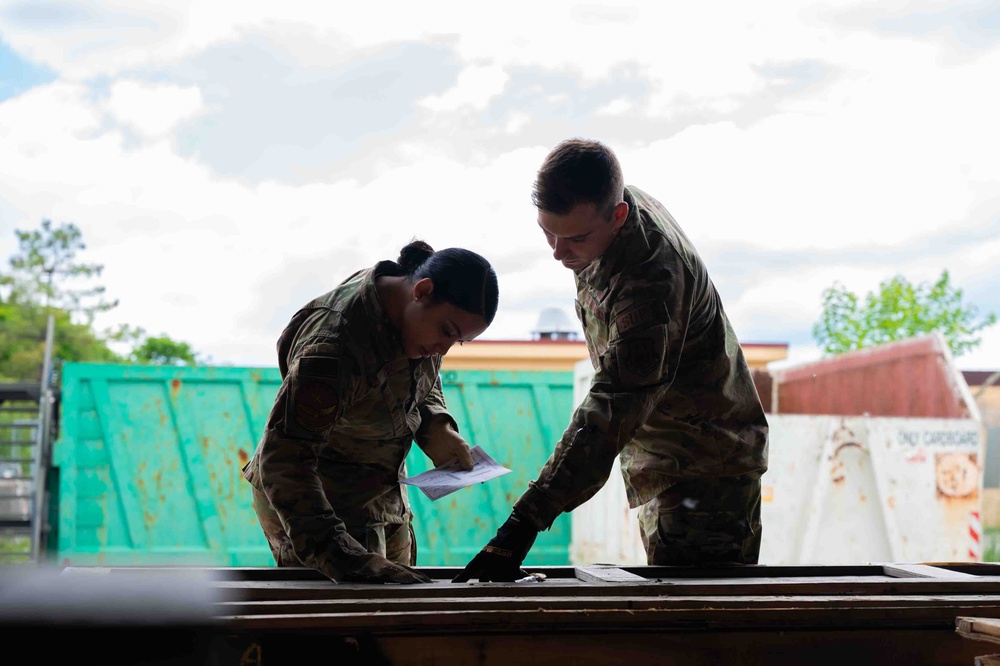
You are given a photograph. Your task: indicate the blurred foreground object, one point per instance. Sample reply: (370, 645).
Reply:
(134, 616)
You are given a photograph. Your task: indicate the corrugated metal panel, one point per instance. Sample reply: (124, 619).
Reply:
(857, 489)
(913, 377)
(150, 460)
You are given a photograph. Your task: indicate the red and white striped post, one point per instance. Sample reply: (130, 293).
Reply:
(975, 537)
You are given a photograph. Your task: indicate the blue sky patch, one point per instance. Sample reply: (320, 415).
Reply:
(18, 75)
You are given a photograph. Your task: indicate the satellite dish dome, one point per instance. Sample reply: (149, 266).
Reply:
(554, 324)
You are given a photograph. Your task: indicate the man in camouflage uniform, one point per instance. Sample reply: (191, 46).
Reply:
(672, 392)
(326, 472)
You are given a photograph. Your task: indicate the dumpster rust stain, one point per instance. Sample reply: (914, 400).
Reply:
(837, 474)
(175, 386)
(243, 457)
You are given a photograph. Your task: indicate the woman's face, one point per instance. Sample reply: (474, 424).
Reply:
(433, 327)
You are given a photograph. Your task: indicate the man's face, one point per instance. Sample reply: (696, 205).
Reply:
(582, 235)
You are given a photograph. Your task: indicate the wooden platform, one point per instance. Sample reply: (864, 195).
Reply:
(845, 615)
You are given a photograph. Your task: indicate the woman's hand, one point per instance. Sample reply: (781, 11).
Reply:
(442, 444)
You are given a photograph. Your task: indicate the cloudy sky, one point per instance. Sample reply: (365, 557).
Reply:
(228, 161)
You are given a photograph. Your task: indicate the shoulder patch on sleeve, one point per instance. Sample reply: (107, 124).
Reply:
(319, 366)
(649, 313)
(640, 357)
(316, 404)
(316, 391)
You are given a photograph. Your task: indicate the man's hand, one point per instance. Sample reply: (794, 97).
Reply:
(500, 560)
(373, 568)
(442, 445)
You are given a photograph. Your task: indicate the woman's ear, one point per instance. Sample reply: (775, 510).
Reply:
(423, 289)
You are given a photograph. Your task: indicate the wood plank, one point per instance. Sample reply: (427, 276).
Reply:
(922, 571)
(988, 604)
(258, 591)
(815, 648)
(610, 620)
(979, 628)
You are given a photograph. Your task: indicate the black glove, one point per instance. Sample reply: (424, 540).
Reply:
(500, 561)
(373, 568)
(355, 564)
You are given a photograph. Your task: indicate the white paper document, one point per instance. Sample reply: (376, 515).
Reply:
(446, 479)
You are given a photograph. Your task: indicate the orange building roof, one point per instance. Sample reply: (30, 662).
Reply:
(563, 355)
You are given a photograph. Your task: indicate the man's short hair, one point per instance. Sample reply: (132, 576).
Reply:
(579, 171)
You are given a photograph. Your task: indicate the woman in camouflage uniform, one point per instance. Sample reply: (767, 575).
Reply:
(359, 368)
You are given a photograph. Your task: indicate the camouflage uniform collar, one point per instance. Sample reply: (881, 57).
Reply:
(386, 340)
(599, 273)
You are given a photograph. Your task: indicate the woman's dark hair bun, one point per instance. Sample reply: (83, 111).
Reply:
(414, 255)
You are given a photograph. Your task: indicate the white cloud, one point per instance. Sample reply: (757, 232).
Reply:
(516, 121)
(153, 110)
(475, 87)
(615, 107)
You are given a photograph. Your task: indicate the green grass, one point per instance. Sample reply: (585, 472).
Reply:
(14, 549)
(991, 544)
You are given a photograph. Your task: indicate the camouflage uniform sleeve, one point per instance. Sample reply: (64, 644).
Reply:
(433, 410)
(312, 397)
(631, 378)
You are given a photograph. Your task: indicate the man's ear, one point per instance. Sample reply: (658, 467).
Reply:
(422, 289)
(618, 215)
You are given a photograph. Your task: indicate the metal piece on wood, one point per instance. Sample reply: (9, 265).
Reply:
(922, 571)
(607, 575)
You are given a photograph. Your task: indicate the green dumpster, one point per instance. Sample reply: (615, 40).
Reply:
(148, 464)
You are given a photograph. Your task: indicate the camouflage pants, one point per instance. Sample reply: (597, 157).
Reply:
(704, 521)
(394, 541)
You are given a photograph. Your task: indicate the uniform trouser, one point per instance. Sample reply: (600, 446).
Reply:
(394, 541)
(704, 521)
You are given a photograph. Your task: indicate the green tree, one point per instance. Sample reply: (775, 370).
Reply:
(22, 349)
(45, 277)
(44, 270)
(899, 310)
(39, 283)
(153, 350)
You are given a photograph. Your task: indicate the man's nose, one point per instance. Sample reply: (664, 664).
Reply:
(559, 249)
